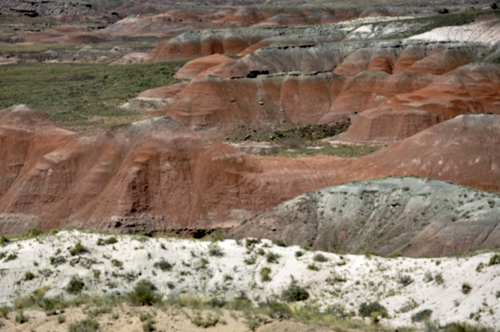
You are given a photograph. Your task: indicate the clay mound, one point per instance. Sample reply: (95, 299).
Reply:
(469, 89)
(30, 122)
(282, 19)
(381, 59)
(24, 131)
(462, 150)
(413, 216)
(194, 67)
(150, 176)
(278, 100)
(164, 92)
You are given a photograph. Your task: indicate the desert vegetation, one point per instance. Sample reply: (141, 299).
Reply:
(208, 290)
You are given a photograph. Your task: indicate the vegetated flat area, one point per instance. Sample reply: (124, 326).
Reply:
(82, 97)
(321, 148)
(258, 280)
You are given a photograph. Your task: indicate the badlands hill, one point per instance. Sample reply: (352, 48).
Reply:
(149, 176)
(158, 176)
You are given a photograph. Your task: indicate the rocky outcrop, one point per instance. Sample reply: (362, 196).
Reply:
(409, 215)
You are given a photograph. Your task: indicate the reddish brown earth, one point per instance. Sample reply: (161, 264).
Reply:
(197, 66)
(155, 175)
(462, 150)
(386, 106)
(164, 92)
(217, 106)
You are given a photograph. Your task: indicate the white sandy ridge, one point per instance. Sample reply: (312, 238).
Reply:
(195, 271)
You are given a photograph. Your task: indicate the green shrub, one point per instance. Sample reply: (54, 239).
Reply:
(239, 303)
(117, 263)
(320, 258)
(480, 267)
(61, 319)
(170, 285)
(57, 260)
(466, 288)
(465, 327)
(250, 260)
(265, 274)
(294, 293)
(97, 274)
(29, 276)
(86, 325)
(31, 233)
(144, 294)
(163, 265)
(421, 315)
(250, 243)
(439, 278)
(75, 285)
(102, 242)
(216, 303)
(11, 257)
(148, 325)
(495, 259)
(208, 321)
(4, 311)
(4, 239)
(21, 318)
(279, 243)
(215, 250)
(366, 309)
(272, 257)
(312, 267)
(408, 306)
(405, 280)
(78, 249)
(299, 253)
(217, 236)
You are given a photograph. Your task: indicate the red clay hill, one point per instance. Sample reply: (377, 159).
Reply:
(159, 176)
(150, 176)
(428, 83)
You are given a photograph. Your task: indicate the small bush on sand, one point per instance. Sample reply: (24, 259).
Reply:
(294, 293)
(405, 280)
(163, 265)
(271, 257)
(86, 325)
(466, 288)
(495, 259)
(78, 249)
(366, 309)
(29, 276)
(422, 315)
(208, 321)
(75, 285)
(103, 242)
(320, 258)
(144, 294)
(265, 274)
(21, 318)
